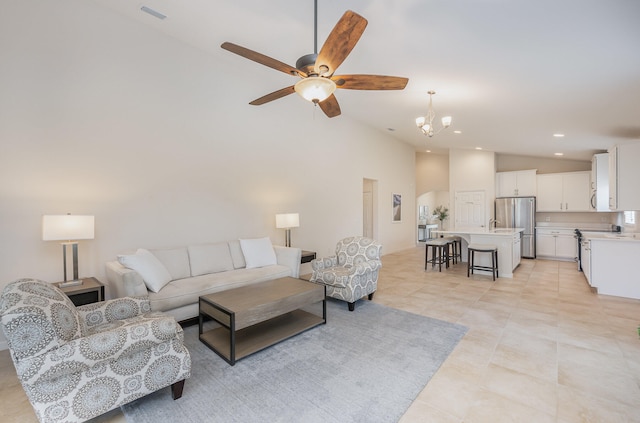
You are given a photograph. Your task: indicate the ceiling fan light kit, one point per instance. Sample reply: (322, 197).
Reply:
(425, 123)
(316, 70)
(315, 88)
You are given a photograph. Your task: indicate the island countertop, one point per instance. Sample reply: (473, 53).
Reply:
(480, 231)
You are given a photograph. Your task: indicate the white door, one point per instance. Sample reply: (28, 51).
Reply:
(369, 207)
(470, 207)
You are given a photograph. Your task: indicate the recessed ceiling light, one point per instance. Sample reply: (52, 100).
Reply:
(478, 148)
(558, 154)
(427, 151)
(457, 132)
(558, 135)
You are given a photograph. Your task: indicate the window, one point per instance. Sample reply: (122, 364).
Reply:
(629, 218)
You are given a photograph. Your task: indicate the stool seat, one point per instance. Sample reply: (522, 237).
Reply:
(483, 248)
(439, 253)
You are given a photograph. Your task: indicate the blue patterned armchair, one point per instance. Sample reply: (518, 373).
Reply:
(76, 363)
(352, 273)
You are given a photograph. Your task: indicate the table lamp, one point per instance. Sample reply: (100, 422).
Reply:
(68, 228)
(287, 221)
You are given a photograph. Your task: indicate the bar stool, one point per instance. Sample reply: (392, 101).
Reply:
(483, 248)
(439, 253)
(455, 242)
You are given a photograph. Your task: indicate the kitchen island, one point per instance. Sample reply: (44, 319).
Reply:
(608, 263)
(506, 239)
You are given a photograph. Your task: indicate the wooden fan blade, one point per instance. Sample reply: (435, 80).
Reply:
(370, 82)
(262, 59)
(340, 42)
(273, 96)
(330, 106)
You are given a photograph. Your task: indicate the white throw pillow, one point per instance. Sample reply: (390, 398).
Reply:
(154, 274)
(258, 252)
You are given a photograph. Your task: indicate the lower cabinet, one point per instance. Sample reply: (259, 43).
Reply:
(517, 249)
(559, 244)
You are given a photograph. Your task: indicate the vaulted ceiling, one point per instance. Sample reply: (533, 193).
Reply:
(511, 73)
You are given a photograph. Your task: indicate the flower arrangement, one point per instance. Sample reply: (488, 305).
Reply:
(441, 212)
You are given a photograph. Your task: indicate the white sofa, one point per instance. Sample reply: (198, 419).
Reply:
(174, 279)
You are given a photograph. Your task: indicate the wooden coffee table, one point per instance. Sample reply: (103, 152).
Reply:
(256, 316)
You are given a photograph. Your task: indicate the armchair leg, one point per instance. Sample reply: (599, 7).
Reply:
(371, 296)
(352, 306)
(176, 389)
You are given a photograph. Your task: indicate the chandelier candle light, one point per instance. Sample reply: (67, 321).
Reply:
(68, 228)
(287, 221)
(425, 123)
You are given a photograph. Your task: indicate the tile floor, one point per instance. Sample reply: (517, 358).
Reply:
(541, 347)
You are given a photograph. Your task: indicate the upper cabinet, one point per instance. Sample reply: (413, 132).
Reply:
(521, 183)
(600, 182)
(624, 174)
(564, 192)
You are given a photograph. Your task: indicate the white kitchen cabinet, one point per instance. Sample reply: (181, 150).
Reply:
(558, 244)
(585, 259)
(564, 192)
(624, 174)
(517, 249)
(600, 182)
(520, 183)
(613, 269)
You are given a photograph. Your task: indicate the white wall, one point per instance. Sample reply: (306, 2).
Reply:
(100, 115)
(472, 170)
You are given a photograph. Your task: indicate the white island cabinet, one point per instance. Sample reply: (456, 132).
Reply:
(613, 261)
(508, 242)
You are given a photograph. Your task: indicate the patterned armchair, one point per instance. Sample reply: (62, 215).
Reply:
(77, 363)
(352, 273)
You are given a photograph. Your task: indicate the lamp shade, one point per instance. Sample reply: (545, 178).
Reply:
(287, 220)
(67, 227)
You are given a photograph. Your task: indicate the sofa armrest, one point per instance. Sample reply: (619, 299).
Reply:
(290, 257)
(126, 282)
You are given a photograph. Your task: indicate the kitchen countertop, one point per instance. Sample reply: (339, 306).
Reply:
(611, 236)
(482, 231)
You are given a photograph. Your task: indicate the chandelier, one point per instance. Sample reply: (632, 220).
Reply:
(425, 123)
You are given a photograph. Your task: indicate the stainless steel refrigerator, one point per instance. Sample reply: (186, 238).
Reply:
(519, 212)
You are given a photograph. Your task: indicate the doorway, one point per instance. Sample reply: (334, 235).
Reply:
(369, 208)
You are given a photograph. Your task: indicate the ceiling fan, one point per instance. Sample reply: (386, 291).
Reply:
(316, 70)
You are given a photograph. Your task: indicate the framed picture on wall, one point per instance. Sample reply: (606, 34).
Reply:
(396, 210)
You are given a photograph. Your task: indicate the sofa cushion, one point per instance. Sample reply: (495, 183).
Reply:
(175, 260)
(210, 258)
(258, 252)
(183, 292)
(153, 272)
(236, 254)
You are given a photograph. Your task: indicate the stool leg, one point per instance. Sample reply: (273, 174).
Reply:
(497, 271)
(493, 265)
(426, 257)
(468, 261)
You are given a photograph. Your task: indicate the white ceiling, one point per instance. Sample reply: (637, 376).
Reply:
(510, 72)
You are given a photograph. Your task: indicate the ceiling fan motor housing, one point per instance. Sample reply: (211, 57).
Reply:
(306, 63)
